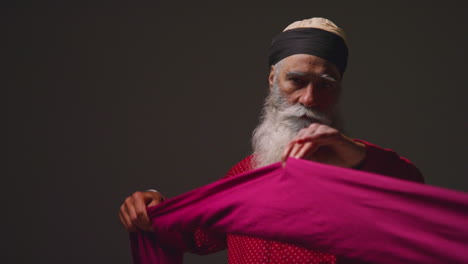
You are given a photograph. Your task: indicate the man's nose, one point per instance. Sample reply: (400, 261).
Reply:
(308, 98)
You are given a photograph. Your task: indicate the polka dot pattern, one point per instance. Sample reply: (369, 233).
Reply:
(251, 250)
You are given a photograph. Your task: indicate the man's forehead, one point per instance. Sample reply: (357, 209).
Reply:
(304, 63)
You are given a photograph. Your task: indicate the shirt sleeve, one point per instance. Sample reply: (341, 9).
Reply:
(388, 162)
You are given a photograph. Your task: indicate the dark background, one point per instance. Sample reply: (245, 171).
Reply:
(102, 102)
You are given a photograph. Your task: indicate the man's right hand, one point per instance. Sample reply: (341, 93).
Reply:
(133, 214)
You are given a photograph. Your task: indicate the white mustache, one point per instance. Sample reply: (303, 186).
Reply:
(298, 111)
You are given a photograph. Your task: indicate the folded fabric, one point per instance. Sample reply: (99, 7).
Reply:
(358, 216)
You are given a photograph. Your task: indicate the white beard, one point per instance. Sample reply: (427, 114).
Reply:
(280, 123)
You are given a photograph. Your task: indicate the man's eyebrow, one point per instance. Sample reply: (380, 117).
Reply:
(325, 76)
(296, 74)
(328, 77)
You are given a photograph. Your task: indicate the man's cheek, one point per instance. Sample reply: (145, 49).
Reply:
(327, 100)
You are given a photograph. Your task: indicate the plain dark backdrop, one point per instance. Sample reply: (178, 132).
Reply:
(102, 102)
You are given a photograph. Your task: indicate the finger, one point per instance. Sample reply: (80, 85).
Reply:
(301, 134)
(304, 150)
(142, 221)
(122, 220)
(315, 154)
(323, 134)
(125, 219)
(137, 209)
(295, 149)
(131, 213)
(292, 148)
(286, 151)
(307, 132)
(126, 223)
(156, 200)
(310, 137)
(154, 203)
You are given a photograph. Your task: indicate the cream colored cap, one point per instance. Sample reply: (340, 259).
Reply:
(318, 22)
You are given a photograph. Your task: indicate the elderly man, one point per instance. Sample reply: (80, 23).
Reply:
(301, 119)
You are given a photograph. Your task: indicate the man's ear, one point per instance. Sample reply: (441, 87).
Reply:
(271, 77)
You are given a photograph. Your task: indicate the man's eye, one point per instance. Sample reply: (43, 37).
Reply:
(297, 81)
(326, 84)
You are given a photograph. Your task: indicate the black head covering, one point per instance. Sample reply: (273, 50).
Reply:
(313, 41)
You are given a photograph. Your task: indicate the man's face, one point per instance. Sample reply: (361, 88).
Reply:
(309, 81)
(304, 89)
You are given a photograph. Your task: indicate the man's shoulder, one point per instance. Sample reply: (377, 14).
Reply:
(387, 162)
(242, 166)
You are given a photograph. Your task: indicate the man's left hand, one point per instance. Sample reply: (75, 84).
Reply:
(324, 144)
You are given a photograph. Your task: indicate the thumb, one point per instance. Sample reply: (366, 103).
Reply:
(154, 202)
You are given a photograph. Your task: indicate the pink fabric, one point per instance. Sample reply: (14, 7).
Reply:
(253, 250)
(355, 215)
